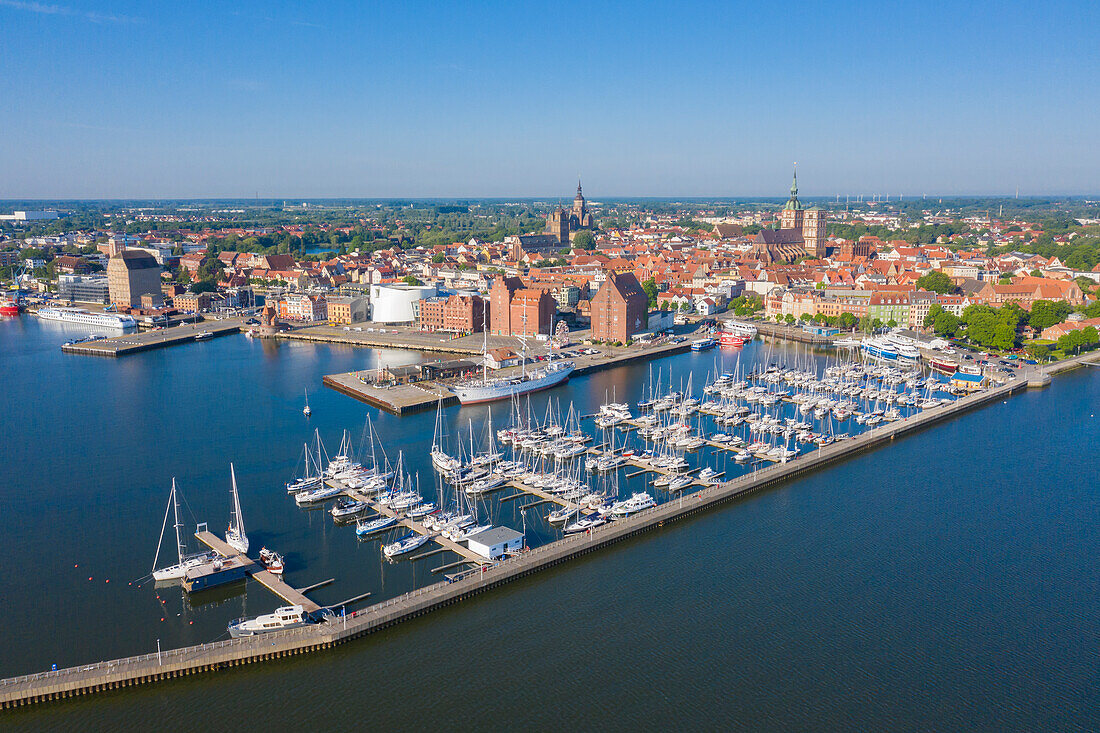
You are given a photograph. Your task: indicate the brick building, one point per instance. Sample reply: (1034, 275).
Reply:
(131, 274)
(457, 313)
(345, 310)
(619, 309)
(517, 311)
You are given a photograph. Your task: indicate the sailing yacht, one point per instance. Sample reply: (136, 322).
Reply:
(235, 536)
(305, 410)
(184, 562)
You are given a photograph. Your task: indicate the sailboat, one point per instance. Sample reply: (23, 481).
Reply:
(184, 562)
(235, 536)
(305, 410)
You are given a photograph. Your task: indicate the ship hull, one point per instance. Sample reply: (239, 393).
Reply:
(474, 395)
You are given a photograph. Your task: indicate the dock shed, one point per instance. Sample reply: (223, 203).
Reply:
(493, 543)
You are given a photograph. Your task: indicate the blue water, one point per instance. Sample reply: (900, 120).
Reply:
(945, 582)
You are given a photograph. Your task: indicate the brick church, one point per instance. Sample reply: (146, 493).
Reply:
(801, 233)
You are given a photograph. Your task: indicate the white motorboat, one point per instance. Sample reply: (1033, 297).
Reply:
(287, 617)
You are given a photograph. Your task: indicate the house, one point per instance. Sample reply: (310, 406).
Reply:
(500, 358)
(619, 309)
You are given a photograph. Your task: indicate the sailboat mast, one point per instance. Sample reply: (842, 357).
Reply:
(238, 522)
(176, 510)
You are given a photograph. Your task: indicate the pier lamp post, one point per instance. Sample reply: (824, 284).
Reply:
(158, 653)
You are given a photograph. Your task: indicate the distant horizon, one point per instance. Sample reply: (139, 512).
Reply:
(595, 200)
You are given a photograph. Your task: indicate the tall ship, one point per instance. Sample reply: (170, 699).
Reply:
(87, 318)
(488, 389)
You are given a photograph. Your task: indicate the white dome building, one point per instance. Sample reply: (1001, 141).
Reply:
(397, 303)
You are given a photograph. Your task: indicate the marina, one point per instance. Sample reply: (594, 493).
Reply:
(151, 668)
(137, 342)
(485, 574)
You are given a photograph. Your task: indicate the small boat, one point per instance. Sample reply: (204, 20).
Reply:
(366, 528)
(636, 503)
(271, 560)
(184, 562)
(346, 507)
(305, 410)
(203, 335)
(287, 617)
(234, 535)
(408, 543)
(562, 514)
(585, 523)
(678, 483)
(421, 510)
(728, 338)
(702, 344)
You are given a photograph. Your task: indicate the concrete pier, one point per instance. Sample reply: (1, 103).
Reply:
(133, 343)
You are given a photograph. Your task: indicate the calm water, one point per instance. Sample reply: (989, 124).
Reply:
(947, 582)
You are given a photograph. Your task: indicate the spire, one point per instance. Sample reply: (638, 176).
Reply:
(794, 183)
(578, 185)
(794, 204)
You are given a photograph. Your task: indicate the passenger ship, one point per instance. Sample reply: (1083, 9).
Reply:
(890, 348)
(87, 318)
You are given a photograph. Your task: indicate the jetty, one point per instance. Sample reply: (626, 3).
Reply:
(133, 343)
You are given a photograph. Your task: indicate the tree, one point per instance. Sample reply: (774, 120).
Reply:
(584, 240)
(411, 280)
(891, 323)
(946, 324)
(438, 257)
(789, 318)
(937, 282)
(204, 286)
(650, 288)
(848, 320)
(930, 318)
(1046, 313)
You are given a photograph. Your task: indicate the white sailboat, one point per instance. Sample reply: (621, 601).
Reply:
(235, 536)
(305, 410)
(184, 562)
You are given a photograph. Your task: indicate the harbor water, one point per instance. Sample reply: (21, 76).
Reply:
(944, 582)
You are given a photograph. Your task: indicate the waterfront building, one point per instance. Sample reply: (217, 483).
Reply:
(130, 275)
(84, 288)
(889, 306)
(345, 310)
(305, 308)
(518, 311)
(495, 542)
(398, 303)
(192, 302)
(619, 309)
(456, 313)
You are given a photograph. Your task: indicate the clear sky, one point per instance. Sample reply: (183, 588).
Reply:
(393, 99)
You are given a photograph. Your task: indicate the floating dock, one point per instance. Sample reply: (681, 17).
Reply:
(147, 668)
(269, 580)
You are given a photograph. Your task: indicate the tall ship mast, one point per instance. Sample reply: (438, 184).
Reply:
(489, 389)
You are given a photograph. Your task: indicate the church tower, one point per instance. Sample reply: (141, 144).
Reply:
(792, 215)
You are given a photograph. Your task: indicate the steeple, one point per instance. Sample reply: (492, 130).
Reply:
(794, 204)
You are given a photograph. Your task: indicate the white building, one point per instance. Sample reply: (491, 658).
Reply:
(29, 216)
(493, 543)
(397, 303)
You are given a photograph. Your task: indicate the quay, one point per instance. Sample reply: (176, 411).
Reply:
(133, 343)
(147, 668)
(402, 399)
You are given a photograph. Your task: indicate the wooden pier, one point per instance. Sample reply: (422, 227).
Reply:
(147, 668)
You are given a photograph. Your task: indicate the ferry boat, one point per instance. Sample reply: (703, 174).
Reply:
(8, 307)
(287, 617)
(489, 389)
(702, 344)
(746, 331)
(887, 348)
(87, 318)
(729, 338)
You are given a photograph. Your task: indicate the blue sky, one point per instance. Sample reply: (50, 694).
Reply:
(278, 99)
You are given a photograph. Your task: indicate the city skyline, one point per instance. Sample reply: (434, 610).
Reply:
(121, 100)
